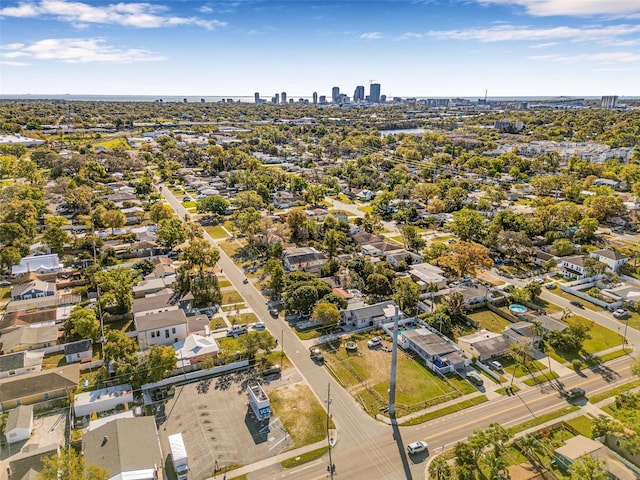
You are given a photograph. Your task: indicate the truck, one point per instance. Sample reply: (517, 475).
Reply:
(178, 456)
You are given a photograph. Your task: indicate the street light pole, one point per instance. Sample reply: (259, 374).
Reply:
(624, 337)
(331, 468)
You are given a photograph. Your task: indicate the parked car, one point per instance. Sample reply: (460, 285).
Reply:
(417, 447)
(539, 281)
(236, 330)
(317, 356)
(551, 286)
(574, 393)
(621, 313)
(273, 312)
(259, 326)
(576, 303)
(474, 378)
(374, 342)
(495, 365)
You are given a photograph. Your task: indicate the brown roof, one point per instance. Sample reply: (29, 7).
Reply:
(27, 318)
(36, 383)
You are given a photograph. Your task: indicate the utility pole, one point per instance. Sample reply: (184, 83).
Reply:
(394, 358)
(331, 468)
(281, 348)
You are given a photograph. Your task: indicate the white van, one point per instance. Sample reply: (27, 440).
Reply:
(236, 330)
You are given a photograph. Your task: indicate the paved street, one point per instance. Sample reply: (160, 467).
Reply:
(369, 449)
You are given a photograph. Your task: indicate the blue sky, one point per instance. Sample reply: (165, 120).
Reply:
(237, 47)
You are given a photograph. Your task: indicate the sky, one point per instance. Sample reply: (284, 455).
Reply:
(423, 48)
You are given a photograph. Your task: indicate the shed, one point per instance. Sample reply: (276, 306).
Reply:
(19, 424)
(78, 351)
(102, 400)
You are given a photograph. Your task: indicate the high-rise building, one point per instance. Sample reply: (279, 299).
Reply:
(609, 102)
(323, 99)
(358, 95)
(374, 93)
(277, 98)
(315, 98)
(283, 97)
(256, 97)
(383, 98)
(335, 94)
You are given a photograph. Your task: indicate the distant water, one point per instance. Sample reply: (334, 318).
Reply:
(406, 131)
(244, 99)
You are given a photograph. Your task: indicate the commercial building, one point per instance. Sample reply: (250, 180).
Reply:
(374, 93)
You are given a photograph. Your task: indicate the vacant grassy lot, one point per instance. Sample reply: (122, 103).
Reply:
(366, 377)
(231, 296)
(233, 306)
(224, 283)
(189, 205)
(471, 402)
(243, 318)
(216, 232)
(301, 413)
(510, 366)
(366, 209)
(489, 320)
(583, 424)
(230, 247)
(120, 142)
(547, 306)
(588, 305)
(601, 339)
(633, 321)
(614, 391)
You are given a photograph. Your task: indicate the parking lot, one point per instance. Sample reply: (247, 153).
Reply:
(218, 427)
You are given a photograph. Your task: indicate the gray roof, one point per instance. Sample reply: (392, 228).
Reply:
(29, 461)
(34, 384)
(492, 346)
(77, 347)
(160, 320)
(40, 285)
(368, 311)
(14, 361)
(25, 336)
(610, 254)
(19, 417)
(431, 343)
(123, 445)
(575, 260)
(154, 302)
(59, 299)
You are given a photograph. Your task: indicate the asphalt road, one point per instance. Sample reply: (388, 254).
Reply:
(369, 449)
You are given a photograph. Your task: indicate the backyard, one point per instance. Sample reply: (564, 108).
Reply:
(489, 320)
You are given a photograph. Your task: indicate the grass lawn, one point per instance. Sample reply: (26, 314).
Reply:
(348, 214)
(539, 420)
(588, 305)
(216, 232)
(547, 306)
(344, 198)
(503, 391)
(243, 318)
(601, 339)
(583, 424)
(614, 391)
(633, 321)
(224, 283)
(189, 204)
(216, 323)
(510, 365)
(471, 402)
(397, 240)
(53, 361)
(233, 306)
(304, 458)
(114, 143)
(300, 412)
(489, 320)
(308, 334)
(366, 209)
(231, 296)
(543, 377)
(230, 247)
(5, 293)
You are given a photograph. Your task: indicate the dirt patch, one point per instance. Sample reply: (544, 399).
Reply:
(300, 413)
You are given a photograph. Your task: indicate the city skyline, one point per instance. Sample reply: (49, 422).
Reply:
(425, 49)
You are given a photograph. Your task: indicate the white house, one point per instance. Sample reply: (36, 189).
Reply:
(102, 400)
(426, 274)
(484, 344)
(439, 353)
(78, 351)
(33, 289)
(573, 267)
(19, 424)
(161, 328)
(613, 260)
(39, 264)
(360, 315)
(194, 349)
(19, 363)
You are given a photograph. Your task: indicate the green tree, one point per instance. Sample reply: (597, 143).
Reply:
(118, 346)
(9, 256)
(200, 255)
(83, 323)
(534, 289)
(213, 204)
(605, 206)
(160, 360)
(371, 223)
(605, 425)
(594, 267)
(302, 299)
(296, 219)
(407, 295)
(439, 469)
(411, 237)
(587, 468)
(113, 219)
(205, 290)
(118, 282)
(159, 211)
(315, 193)
(562, 247)
(378, 285)
(55, 238)
(466, 258)
(469, 225)
(326, 313)
(170, 232)
(69, 465)
(247, 199)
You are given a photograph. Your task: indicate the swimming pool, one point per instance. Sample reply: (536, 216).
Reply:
(515, 308)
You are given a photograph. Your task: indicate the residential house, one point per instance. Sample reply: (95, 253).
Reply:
(365, 238)
(19, 424)
(428, 276)
(573, 267)
(60, 299)
(20, 363)
(37, 387)
(395, 257)
(34, 319)
(540, 257)
(378, 249)
(39, 263)
(615, 184)
(161, 328)
(144, 248)
(473, 294)
(360, 315)
(306, 259)
(127, 448)
(317, 214)
(613, 260)
(485, 345)
(133, 215)
(27, 338)
(580, 446)
(102, 400)
(161, 303)
(79, 351)
(365, 195)
(284, 199)
(439, 353)
(194, 349)
(525, 333)
(33, 289)
(152, 286)
(28, 463)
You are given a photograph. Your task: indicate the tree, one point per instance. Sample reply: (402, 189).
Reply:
(213, 204)
(326, 313)
(83, 323)
(9, 256)
(439, 469)
(55, 238)
(118, 346)
(635, 367)
(200, 254)
(119, 282)
(407, 295)
(296, 219)
(170, 232)
(69, 465)
(594, 267)
(159, 211)
(534, 289)
(411, 237)
(247, 199)
(205, 290)
(605, 206)
(465, 258)
(605, 425)
(454, 199)
(315, 193)
(532, 449)
(514, 244)
(495, 462)
(378, 285)
(160, 361)
(469, 225)
(587, 468)
(562, 247)
(371, 223)
(113, 219)
(302, 299)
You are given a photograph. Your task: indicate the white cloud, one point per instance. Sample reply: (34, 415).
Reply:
(77, 50)
(598, 58)
(371, 36)
(410, 35)
(544, 45)
(574, 8)
(138, 15)
(205, 9)
(511, 33)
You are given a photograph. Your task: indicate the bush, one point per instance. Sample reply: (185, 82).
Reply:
(577, 365)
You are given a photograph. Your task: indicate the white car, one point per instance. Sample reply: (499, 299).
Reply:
(259, 326)
(374, 342)
(621, 313)
(417, 447)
